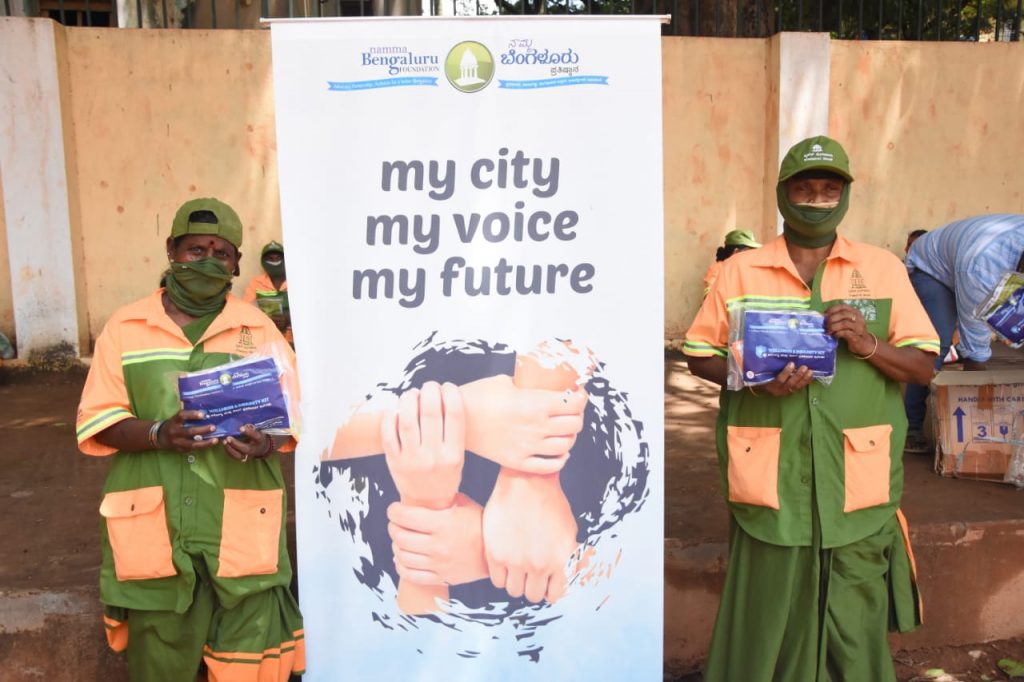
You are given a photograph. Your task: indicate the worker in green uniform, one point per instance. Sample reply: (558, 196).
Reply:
(195, 567)
(819, 563)
(269, 289)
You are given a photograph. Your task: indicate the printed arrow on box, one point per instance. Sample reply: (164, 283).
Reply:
(959, 414)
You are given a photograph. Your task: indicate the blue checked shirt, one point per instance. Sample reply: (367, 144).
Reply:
(969, 256)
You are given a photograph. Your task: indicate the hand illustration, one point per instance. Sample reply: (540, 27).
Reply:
(438, 547)
(423, 445)
(529, 535)
(525, 429)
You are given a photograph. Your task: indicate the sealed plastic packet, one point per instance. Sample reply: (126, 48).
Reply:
(763, 342)
(260, 389)
(1003, 309)
(272, 305)
(1015, 467)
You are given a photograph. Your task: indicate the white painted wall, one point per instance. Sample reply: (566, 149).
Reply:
(35, 192)
(804, 66)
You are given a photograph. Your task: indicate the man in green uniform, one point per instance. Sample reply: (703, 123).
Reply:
(195, 566)
(819, 564)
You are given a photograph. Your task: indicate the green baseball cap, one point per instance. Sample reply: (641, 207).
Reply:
(228, 226)
(741, 238)
(272, 246)
(815, 153)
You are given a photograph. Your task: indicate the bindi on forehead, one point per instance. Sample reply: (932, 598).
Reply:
(205, 240)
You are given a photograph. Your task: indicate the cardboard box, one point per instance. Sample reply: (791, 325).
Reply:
(977, 420)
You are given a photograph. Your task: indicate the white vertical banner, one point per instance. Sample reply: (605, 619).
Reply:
(476, 202)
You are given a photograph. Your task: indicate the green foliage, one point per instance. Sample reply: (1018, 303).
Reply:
(6, 349)
(1015, 669)
(905, 19)
(569, 7)
(968, 20)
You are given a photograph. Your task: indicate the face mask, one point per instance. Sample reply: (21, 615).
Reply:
(811, 225)
(274, 269)
(198, 287)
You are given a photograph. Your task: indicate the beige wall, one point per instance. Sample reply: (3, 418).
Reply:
(715, 127)
(935, 132)
(72, 178)
(161, 117)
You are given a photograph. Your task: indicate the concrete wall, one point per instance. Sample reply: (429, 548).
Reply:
(714, 179)
(934, 131)
(154, 117)
(161, 117)
(39, 178)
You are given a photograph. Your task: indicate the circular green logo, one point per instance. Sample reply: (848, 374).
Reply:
(469, 66)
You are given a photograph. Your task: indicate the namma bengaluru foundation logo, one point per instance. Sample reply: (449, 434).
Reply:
(225, 379)
(469, 66)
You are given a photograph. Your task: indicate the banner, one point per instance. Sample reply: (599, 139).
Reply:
(472, 211)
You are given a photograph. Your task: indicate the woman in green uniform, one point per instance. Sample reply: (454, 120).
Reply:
(195, 566)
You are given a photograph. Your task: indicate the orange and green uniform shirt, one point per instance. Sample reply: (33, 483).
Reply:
(837, 448)
(262, 293)
(261, 286)
(165, 510)
(711, 275)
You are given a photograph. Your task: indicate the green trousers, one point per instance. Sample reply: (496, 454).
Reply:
(261, 638)
(807, 614)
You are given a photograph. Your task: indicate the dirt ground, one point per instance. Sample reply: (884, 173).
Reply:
(50, 491)
(691, 481)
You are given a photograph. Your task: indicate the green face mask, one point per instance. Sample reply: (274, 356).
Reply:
(274, 269)
(810, 226)
(198, 287)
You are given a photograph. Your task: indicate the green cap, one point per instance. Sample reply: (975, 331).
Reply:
(741, 238)
(227, 227)
(815, 153)
(272, 246)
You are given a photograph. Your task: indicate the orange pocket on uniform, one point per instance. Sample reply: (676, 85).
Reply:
(754, 465)
(137, 529)
(867, 464)
(250, 532)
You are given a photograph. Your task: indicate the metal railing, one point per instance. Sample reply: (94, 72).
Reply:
(963, 20)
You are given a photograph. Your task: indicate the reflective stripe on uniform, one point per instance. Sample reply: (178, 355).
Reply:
(101, 421)
(151, 354)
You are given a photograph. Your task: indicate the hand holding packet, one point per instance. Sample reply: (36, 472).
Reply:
(764, 341)
(1003, 309)
(246, 391)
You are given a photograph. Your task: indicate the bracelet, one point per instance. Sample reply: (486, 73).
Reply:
(753, 392)
(160, 430)
(273, 445)
(154, 433)
(873, 350)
